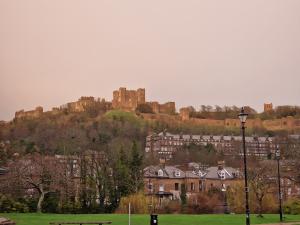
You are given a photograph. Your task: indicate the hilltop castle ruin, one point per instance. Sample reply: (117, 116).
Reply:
(131, 100)
(123, 99)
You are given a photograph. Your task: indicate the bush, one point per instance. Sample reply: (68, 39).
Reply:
(292, 206)
(50, 203)
(8, 205)
(140, 204)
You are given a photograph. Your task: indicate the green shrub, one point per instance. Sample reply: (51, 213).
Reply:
(7, 205)
(292, 206)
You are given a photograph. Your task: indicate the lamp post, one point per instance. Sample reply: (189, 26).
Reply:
(277, 155)
(243, 118)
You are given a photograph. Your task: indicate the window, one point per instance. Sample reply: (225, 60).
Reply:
(160, 173)
(222, 175)
(192, 187)
(201, 185)
(177, 173)
(161, 188)
(176, 186)
(150, 186)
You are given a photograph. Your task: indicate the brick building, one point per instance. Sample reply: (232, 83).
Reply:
(165, 144)
(166, 182)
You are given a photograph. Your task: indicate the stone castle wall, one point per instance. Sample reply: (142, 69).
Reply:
(81, 104)
(166, 108)
(288, 123)
(37, 112)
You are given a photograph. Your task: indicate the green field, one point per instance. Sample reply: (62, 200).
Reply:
(117, 219)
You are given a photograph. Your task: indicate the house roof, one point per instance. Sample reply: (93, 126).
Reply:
(215, 173)
(170, 172)
(216, 137)
(3, 171)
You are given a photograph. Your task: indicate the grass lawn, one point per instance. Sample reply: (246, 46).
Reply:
(117, 219)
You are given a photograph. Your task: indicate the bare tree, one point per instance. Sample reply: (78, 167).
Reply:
(37, 173)
(261, 180)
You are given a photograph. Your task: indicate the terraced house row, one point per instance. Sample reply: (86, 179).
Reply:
(165, 145)
(167, 182)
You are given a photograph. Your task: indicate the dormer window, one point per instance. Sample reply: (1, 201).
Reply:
(222, 175)
(177, 173)
(160, 173)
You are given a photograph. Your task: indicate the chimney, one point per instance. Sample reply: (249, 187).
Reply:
(221, 165)
(162, 162)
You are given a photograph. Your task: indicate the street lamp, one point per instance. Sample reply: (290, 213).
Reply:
(277, 155)
(243, 118)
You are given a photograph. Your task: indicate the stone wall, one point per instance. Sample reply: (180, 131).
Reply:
(29, 114)
(288, 123)
(166, 108)
(81, 104)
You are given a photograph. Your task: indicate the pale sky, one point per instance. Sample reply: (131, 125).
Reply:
(193, 52)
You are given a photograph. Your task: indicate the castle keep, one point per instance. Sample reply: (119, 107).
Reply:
(131, 99)
(128, 99)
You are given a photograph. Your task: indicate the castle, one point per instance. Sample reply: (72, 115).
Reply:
(130, 100)
(124, 99)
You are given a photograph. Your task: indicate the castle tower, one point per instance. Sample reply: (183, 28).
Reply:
(141, 99)
(268, 107)
(122, 95)
(185, 113)
(128, 99)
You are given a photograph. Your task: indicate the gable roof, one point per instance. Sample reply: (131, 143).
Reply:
(3, 171)
(214, 173)
(169, 172)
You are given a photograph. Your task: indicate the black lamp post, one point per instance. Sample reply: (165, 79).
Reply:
(277, 155)
(243, 118)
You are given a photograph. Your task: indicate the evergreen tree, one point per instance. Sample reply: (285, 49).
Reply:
(136, 171)
(183, 195)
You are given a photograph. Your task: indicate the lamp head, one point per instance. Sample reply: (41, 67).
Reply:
(243, 115)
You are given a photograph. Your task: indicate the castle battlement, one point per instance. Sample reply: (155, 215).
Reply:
(37, 112)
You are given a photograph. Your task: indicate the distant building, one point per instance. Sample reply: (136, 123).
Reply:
(220, 177)
(165, 144)
(166, 182)
(268, 107)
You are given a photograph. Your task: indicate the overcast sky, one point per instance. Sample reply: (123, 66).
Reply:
(193, 52)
